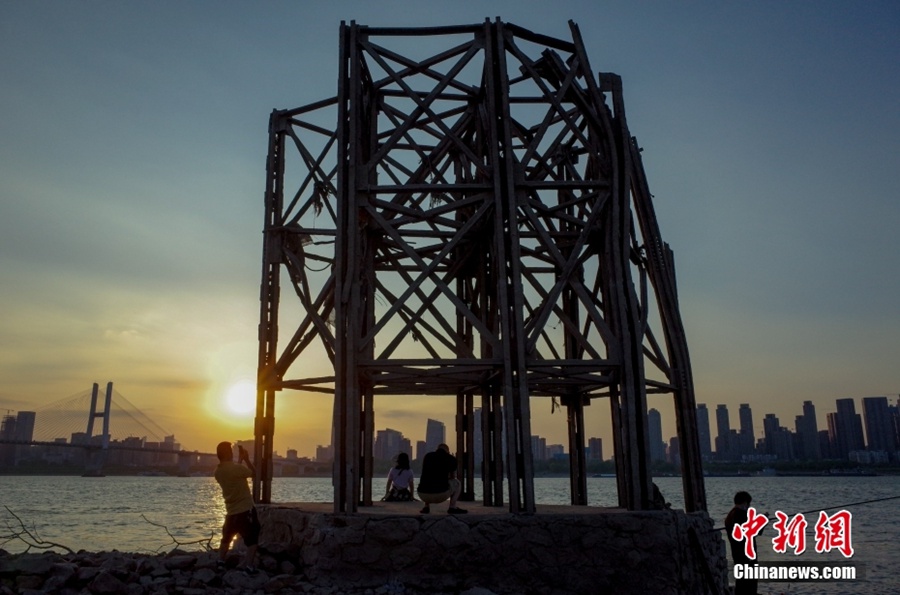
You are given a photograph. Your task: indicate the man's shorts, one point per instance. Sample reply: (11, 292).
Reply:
(440, 497)
(246, 524)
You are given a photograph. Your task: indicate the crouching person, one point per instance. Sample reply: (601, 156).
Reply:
(438, 481)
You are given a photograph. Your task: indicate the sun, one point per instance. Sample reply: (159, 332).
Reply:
(240, 398)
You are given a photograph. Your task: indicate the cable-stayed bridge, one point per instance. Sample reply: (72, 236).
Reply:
(94, 428)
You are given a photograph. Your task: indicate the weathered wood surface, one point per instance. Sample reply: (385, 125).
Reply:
(473, 223)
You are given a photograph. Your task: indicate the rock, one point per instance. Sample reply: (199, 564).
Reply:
(393, 531)
(160, 571)
(41, 564)
(450, 532)
(205, 575)
(25, 582)
(281, 581)
(405, 556)
(87, 573)
(181, 562)
(117, 564)
(275, 549)
(287, 568)
(60, 574)
(439, 554)
(105, 583)
(145, 566)
(244, 582)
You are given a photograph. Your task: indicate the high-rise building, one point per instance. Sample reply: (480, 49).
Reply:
(723, 425)
(724, 439)
(895, 425)
(539, 448)
(808, 433)
(879, 426)
(556, 451)
(324, 454)
(654, 434)
(595, 449)
(779, 440)
(435, 434)
(703, 431)
(845, 428)
(25, 426)
(770, 427)
(674, 451)
(8, 432)
(747, 437)
(826, 446)
(478, 441)
(389, 443)
(835, 449)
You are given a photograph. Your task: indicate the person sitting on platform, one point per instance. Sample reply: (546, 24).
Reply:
(438, 481)
(400, 482)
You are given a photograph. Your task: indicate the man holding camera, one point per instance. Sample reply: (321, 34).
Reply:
(240, 511)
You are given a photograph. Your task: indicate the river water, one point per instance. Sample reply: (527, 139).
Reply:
(134, 514)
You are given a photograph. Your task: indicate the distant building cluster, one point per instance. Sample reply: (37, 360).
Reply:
(17, 447)
(292, 465)
(390, 442)
(541, 451)
(15, 428)
(872, 437)
(842, 439)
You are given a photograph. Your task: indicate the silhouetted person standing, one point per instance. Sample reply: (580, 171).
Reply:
(738, 516)
(240, 511)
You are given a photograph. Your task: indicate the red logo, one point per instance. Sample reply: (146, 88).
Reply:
(747, 531)
(791, 533)
(833, 532)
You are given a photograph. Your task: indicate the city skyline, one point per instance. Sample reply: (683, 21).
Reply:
(875, 428)
(132, 178)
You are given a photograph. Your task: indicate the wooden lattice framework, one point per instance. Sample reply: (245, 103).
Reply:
(474, 222)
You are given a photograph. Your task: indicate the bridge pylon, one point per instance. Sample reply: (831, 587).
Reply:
(96, 459)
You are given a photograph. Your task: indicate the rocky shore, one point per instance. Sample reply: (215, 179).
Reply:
(186, 573)
(307, 548)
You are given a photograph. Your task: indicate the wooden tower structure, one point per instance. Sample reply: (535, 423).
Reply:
(469, 218)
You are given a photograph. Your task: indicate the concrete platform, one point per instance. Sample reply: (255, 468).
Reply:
(559, 549)
(474, 508)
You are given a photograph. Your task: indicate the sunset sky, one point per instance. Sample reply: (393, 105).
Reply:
(132, 160)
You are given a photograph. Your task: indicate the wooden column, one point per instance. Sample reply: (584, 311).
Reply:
(267, 376)
(348, 404)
